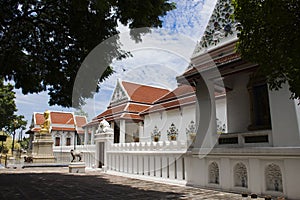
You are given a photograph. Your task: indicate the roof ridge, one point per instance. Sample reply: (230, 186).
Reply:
(157, 87)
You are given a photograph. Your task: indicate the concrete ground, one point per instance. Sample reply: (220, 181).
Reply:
(57, 183)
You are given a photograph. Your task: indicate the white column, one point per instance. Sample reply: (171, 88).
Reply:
(205, 116)
(122, 131)
(93, 135)
(86, 134)
(141, 130)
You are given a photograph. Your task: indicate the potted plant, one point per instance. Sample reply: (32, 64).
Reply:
(155, 134)
(136, 139)
(172, 132)
(268, 197)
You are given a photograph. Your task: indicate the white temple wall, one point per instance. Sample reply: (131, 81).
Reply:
(284, 118)
(131, 129)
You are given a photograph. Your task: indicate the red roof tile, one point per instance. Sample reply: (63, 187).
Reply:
(112, 111)
(61, 117)
(39, 118)
(80, 120)
(143, 93)
(180, 91)
(171, 104)
(55, 128)
(136, 108)
(131, 116)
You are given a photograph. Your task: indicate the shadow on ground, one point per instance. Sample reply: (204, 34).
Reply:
(72, 186)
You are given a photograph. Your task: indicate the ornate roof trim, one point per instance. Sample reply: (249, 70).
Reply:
(222, 27)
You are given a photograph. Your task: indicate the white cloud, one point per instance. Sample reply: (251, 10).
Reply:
(157, 60)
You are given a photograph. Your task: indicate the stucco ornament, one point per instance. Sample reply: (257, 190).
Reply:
(172, 132)
(191, 130)
(221, 25)
(155, 134)
(104, 127)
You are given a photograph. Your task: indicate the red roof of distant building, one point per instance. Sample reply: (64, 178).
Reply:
(59, 128)
(63, 121)
(39, 118)
(61, 117)
(80, 120)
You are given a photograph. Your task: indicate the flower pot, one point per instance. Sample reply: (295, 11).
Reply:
(173, 137)
(268, 198)
(156, 138)
(244, 194)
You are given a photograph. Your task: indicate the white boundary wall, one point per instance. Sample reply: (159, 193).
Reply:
(62, 154)
(164, 161)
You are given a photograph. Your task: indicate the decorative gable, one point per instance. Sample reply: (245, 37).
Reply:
(221, 27)
(119, 94)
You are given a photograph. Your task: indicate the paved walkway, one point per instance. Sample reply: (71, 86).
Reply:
(57, 183)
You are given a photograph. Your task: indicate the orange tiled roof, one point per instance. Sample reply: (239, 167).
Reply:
(80, 120)
(39, 118)
(111, 111)
(59, 120)
(131, 116)
(217, 62)
(143, 93)
(180, 91)
(171, 104)
(61, 117)
(136, 108)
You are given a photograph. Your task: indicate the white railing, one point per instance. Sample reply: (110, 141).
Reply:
(63, 155)
(165, 159)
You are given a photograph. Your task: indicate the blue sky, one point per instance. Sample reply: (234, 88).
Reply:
(153, 66)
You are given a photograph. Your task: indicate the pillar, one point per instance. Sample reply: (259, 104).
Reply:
(93, 135)
(205, 115)
(86, 135)
(122, 131)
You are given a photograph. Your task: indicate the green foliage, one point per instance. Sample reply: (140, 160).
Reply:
(43, 43)
(7, 105)
(271, 37)
(24, 144)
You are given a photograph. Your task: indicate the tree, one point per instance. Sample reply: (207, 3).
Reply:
(7, 105)
(43, 43)
(8, 120)
(17, 123)
(270, 36)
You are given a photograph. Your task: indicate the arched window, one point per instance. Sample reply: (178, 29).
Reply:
(213, 173)
(240, 175)
(273, 178)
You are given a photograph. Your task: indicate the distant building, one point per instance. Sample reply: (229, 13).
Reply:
(64, 127)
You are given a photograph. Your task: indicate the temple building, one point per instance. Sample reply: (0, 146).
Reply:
(65, 127)
(221, 128)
